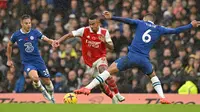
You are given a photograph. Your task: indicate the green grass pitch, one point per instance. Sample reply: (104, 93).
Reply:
(97, 108)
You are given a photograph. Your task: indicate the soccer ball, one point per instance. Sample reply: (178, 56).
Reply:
(70, 98)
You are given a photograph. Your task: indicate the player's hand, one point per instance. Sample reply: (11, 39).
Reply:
(195, 23)
(107, 14)
(10, 63)
(102, 38)
(55, 44)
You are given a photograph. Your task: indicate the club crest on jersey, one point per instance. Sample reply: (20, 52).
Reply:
(28, 69)
(32, 38)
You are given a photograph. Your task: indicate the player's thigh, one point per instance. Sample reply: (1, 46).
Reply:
(44, 75)
(101, 64)
(147, 67)
(122, 63)
(31, 71)
(90, 70)
(43, 72)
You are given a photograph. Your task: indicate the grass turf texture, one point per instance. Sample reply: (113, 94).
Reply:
(97, 108)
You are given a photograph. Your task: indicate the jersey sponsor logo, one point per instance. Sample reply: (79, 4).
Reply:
(29, 47)
(93, 43)
(32, 38)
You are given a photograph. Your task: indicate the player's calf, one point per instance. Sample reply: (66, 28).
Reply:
(113, 86)
(111, 83)
(49, 87)
(38, 86)
(104, 87)
(41, 88)
(156, 84)
(50, 90)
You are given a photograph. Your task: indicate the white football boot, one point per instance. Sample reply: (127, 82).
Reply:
(114, 100)
(120, 97)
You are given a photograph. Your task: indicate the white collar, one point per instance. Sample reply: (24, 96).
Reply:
(24, 32)
(150, 22)
(98, 32)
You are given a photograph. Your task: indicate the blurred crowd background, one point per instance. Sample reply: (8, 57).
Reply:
(175, 58)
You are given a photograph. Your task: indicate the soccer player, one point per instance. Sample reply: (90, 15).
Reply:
(94, 42)
(147, 33)
(34, 66)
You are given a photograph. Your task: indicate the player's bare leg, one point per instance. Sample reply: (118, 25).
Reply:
(157, 86)
(37, 84)
(49, 86)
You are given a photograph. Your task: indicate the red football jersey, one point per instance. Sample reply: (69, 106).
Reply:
(92, 47)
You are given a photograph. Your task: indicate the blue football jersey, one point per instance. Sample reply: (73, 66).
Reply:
(147, 33)
(28, 45)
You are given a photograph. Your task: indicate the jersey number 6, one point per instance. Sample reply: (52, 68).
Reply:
(146, 37)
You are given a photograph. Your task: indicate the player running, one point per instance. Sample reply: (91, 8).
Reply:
(94, 42)
(34, 66)
(147, 33)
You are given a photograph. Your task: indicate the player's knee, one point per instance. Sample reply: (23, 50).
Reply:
(35, 78)
(151, 74)
(102, 68)
(47, 81)
(113, 69)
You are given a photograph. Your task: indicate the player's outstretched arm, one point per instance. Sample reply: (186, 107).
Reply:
(108, 15)
(194, 24)
(49, 41)
(56, 43)
(75, 33)
(65, 37)
(8, 53)
(52, 42)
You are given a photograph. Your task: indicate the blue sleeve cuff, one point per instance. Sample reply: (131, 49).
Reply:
(190, 25)
(113, 17)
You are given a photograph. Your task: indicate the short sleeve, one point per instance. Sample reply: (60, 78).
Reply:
(107, 36)
(78, 32)
(13, 38)
(38, 34)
